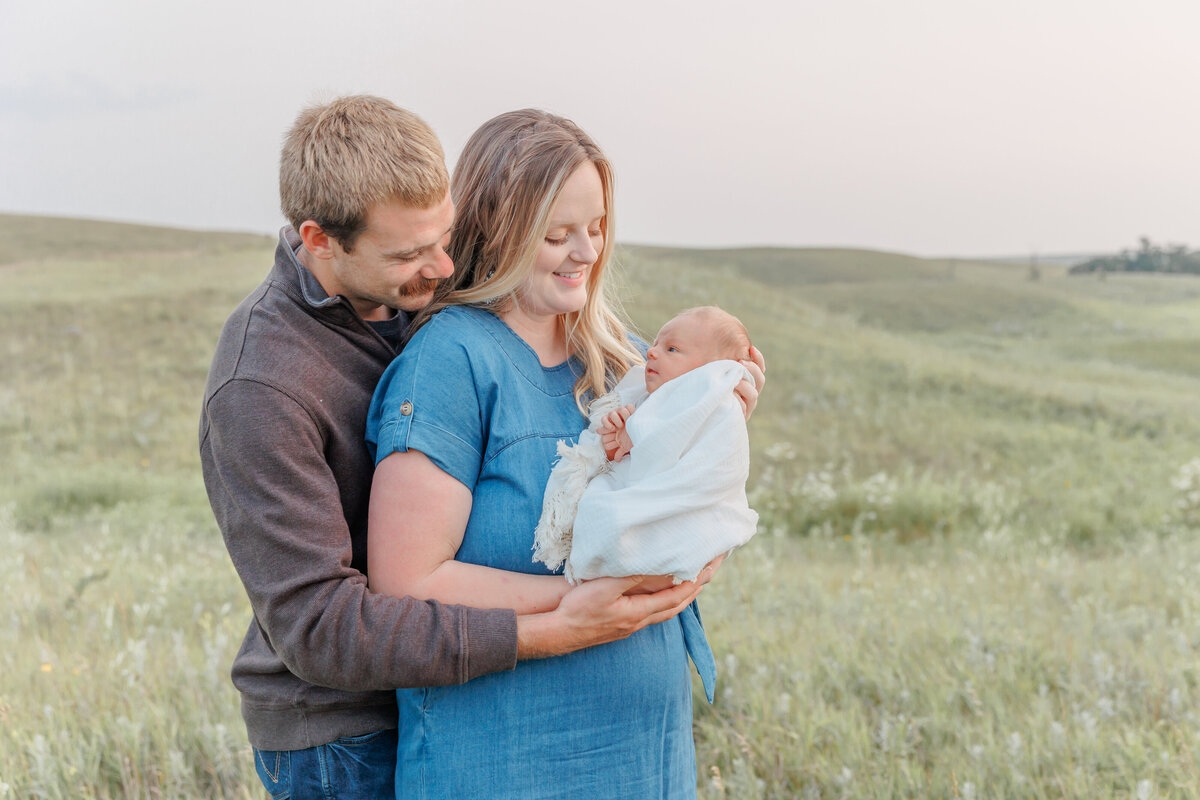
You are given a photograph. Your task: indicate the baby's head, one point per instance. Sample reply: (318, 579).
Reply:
(694, 338)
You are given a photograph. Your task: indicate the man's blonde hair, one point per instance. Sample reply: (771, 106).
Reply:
(341, 158)
(506, 182)
(730, 337)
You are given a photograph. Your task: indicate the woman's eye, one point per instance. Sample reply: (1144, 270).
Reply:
(596, 234)
(556, 242)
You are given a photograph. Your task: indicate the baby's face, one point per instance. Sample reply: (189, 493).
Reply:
(682, 345)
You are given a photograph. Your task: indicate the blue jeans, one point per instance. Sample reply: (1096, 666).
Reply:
(352, 768)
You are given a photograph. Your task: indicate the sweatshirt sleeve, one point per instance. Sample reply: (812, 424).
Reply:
(277, 504)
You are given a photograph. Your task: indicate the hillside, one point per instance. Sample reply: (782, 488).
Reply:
(975, 568)
(31, 238)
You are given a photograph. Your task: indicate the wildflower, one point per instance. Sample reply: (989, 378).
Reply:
(1145, 789)
(715, 781)
(1015, 743)
(47, 667)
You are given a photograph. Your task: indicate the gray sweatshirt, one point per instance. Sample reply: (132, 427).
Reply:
(288, 476)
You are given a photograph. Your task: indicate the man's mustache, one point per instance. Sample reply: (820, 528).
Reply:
(418, 287)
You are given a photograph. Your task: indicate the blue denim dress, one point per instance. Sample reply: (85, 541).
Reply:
(613, 721)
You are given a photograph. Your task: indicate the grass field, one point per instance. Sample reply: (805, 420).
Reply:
(977, 573)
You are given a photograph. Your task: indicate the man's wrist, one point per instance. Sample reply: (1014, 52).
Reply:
(537, 635)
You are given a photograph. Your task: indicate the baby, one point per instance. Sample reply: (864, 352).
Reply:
(679, 499)
(693, 338)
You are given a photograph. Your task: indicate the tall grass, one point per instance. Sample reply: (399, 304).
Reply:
(975, 574)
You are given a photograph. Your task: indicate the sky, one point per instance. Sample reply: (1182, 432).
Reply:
(934, 127)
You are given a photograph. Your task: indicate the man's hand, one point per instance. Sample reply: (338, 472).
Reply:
(597, 612)
(747, 395)
(613, 436)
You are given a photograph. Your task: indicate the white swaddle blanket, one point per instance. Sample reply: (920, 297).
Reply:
(676, 502)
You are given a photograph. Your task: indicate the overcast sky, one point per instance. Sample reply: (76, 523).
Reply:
(925, 126)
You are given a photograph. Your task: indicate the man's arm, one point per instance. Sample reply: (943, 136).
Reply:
(279, 509)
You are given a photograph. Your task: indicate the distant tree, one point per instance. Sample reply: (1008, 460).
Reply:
(1149, 257)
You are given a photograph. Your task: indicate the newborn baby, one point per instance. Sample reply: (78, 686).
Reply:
(657, 484)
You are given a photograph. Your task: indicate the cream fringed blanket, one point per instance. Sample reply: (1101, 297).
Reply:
(676, 502)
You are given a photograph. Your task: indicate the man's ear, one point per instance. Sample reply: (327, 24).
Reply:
(316, 240)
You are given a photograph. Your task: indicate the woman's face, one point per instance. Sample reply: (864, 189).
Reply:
(572, 243)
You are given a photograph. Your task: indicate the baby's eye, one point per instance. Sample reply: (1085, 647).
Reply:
(672, 349)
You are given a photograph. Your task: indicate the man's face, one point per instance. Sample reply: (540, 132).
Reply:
(682, 345)
(397, 260)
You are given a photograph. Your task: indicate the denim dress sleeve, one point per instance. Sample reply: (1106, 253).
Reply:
(426, 401)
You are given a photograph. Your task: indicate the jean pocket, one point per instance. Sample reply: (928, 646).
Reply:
(274, 768)
(358, 741)
(361, 766)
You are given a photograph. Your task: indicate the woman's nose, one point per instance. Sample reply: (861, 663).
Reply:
(585, 252)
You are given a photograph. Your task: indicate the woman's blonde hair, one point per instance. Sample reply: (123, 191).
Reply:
(505, 186)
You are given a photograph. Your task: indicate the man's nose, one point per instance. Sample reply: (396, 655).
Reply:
(441, 266)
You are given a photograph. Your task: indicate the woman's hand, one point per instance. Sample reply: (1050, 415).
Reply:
(746, 394)
(656, 583)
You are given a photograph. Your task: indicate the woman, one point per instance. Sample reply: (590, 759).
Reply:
(465, 425)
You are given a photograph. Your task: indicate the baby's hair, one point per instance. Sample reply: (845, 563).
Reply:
(731, 338)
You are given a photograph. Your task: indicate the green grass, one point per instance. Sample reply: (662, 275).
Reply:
(975, 575)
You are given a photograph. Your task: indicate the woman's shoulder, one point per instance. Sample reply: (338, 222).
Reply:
(455, 324)
(458, 334)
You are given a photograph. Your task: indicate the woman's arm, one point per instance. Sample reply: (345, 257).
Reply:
(416, 521)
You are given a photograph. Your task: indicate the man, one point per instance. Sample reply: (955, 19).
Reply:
(364, 186)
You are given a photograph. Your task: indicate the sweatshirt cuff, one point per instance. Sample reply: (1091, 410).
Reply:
(491, 641)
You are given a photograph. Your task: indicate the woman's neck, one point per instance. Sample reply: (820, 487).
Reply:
(544, 334)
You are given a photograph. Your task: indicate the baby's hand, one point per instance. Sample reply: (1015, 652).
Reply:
(613, 435)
